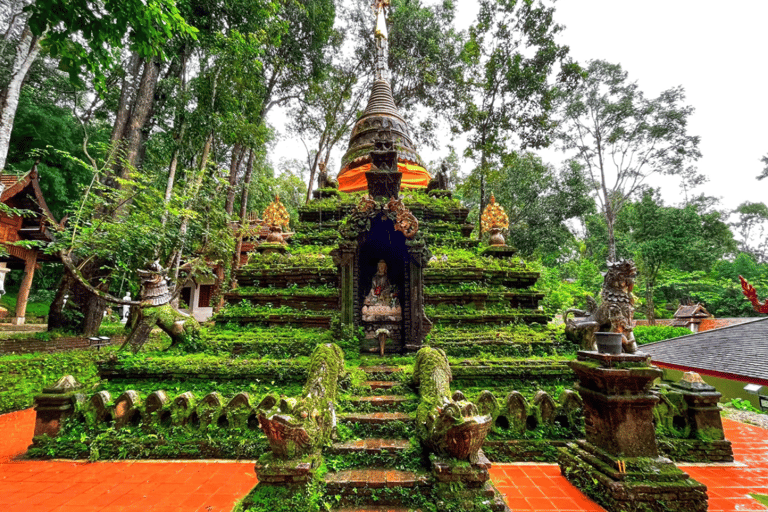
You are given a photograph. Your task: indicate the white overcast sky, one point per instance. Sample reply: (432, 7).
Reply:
(716, 51)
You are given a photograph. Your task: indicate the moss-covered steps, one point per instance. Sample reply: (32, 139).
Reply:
(373, 470)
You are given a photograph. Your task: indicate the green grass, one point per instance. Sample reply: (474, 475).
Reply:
(36, 311)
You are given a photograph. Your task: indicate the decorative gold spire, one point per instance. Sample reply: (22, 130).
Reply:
(494, 216)
(276, 215)
(381, 116)
(380, 37)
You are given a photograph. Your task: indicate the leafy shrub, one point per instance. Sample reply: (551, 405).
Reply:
(24, 376)
(651, 333)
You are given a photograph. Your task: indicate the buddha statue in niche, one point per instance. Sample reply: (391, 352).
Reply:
(382, 303)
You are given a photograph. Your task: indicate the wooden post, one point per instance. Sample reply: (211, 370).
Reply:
(26, 285)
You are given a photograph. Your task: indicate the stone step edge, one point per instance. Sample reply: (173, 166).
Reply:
(381, 369)
(377, 418)
(374, 479)
(381, 398)
(371, 445)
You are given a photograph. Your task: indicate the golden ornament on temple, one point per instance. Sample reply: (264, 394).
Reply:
(276, 215)
(493, 220)
(494, 217)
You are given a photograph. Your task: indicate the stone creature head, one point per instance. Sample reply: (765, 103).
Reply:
(620, 276)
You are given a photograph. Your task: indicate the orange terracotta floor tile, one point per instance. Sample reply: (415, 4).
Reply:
(212, 486)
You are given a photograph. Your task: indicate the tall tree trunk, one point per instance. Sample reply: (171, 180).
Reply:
(26, 52)
(238, 152)
(130, 84)
(649, 305)
(84, 310)
(142, 107)
(243, 210)
(610, 221)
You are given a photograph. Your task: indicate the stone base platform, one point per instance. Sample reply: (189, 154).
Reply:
(634, 484)
(287, 472)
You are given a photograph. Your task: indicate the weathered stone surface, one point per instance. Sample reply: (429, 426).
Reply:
(473, 474)
(126, 408)
(296, 427)
(372, 446)
(98, 410)
(379, 401)
(182, 408)
(54, 404)
(377, 418)
(618, 407)
(446, 426)
(652, 484)
(546, 407)
(515, 411)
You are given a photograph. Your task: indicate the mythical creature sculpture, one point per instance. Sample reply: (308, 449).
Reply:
(296, 427)
(614, 313)
(751, 294)
(323, 180)
(446, 426)
(156, 310)
(440, 181)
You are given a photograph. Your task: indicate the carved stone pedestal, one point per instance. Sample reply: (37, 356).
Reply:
(499, 251)
(274, 471)
(618, 465)
(447, 472)
(269, 248)
(473, 474)
(54, 404)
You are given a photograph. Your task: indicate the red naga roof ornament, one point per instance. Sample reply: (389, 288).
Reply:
(751, 294)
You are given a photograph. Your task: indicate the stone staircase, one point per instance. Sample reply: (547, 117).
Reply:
(362, 489)
(380, 482)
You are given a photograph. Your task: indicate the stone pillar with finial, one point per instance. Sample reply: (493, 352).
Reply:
(276, 217)
(493, 220)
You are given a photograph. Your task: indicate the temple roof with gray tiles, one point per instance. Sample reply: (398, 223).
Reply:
(738, 352)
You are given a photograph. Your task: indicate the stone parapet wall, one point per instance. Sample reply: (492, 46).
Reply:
(31, 345)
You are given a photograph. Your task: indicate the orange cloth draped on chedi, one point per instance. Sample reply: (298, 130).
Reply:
(381, 118)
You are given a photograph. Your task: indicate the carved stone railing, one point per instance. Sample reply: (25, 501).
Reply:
(448, 425)
(295, 427)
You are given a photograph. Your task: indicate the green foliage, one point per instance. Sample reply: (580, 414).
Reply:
(165, 366)
(652, 333)
(77, 441)
(744, 405)
(24, 376)
(606, 115)
(82, 35)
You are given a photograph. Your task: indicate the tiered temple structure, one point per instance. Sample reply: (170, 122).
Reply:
(481, 377)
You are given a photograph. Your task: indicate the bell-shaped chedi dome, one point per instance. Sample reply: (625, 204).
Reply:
(381, 117)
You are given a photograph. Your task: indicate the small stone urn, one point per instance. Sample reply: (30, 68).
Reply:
(608, 342)
(496, 239)
(275, 235)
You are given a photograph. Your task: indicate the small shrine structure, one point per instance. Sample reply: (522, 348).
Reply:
(23, 193)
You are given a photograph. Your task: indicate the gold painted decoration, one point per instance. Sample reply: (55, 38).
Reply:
(494, 217)
(276, 215)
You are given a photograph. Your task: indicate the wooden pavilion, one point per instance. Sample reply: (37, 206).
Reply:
(23, 193)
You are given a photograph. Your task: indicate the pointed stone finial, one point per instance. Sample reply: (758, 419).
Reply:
(64, 385)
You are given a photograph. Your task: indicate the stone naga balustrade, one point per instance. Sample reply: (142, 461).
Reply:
(295, 427)
(447, 425)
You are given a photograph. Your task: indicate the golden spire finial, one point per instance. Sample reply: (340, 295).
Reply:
(276, 214)
(494, 216)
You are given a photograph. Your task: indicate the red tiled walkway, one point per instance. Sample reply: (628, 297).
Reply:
(38, 486)
(729, 486)
(538, 487)
(542, 488)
